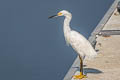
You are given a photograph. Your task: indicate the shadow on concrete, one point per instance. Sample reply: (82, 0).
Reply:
(91, 70)
(78, 67)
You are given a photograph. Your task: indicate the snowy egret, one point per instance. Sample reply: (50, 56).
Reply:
(78, 42)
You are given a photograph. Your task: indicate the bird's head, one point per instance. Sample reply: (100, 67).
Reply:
(62, 13)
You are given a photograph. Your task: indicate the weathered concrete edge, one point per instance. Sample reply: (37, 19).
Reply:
(92, 39)
(101, 24)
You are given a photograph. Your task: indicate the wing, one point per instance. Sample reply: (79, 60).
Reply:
(81, 45)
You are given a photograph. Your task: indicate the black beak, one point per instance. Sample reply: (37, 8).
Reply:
(52, 16)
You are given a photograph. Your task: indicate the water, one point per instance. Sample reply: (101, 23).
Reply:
(33, 47)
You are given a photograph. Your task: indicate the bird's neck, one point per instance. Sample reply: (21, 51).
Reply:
(67, 28)
(67, 24)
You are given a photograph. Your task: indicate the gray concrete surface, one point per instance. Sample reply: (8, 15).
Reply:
(113, 23)
(106, 66)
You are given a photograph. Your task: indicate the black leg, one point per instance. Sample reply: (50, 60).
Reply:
(81, 75)
(81, 64)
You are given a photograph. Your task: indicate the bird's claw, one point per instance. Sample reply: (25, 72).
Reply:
(80, 76)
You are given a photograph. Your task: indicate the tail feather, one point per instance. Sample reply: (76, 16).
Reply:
(91, 55)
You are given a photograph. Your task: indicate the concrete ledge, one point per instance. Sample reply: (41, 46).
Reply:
(95, 66)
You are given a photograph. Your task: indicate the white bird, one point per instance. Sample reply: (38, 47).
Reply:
(78, 42)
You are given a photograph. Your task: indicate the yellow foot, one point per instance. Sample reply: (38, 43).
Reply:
(80, 76)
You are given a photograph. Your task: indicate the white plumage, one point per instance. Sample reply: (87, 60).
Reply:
(81, 45)
(78, 42)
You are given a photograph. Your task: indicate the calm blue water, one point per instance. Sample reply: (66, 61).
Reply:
(33, 47)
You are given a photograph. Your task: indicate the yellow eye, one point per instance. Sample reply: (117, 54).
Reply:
(59, 14)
